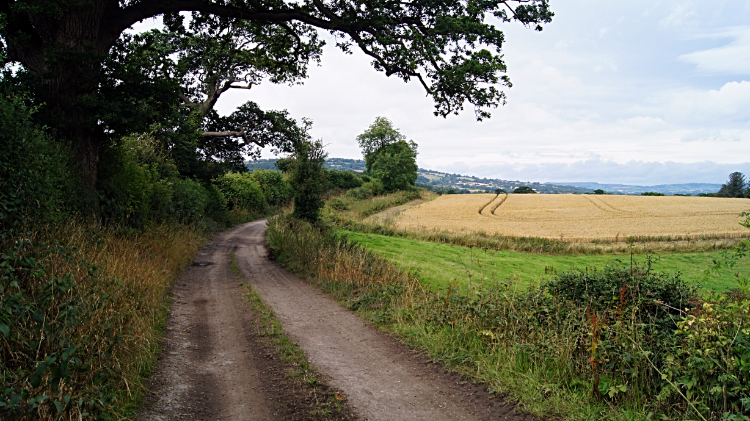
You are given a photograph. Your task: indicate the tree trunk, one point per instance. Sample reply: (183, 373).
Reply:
(64, 52)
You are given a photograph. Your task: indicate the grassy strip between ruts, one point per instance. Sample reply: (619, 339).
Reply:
(612, 344)
(302, 395)
(441, 265)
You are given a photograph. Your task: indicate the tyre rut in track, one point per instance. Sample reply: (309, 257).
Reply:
(381, 377)
(204, 371)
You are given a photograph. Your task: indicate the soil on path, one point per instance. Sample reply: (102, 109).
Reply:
(211, 366)
(217, 362)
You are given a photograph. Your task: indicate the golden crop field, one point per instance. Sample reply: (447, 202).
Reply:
(580, 217)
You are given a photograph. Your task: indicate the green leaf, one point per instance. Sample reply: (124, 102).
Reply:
(4, 329)
(35, 380)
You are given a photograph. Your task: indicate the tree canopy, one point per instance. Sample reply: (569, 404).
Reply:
(736, 186)
(77, 61)
(378, 135)
(395, 165)
(388, 156)
(524, 190)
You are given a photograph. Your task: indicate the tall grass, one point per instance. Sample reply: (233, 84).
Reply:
(83, 311)
(623, 343)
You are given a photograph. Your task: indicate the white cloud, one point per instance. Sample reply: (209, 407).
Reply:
(682, 15)
(644, 123)
(716, 136)
(731, 58)
(727, 106)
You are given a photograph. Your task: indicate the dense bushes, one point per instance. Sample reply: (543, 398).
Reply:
(256, 192)
(241, 191)
(367, 190)
(79, 302)
(342, 179)
(36, 183)
(81, 299)
(276, 190)
(140, 185)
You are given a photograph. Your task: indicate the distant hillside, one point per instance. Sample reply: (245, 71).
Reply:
(437, 179)
(471, 183)
(668, 189)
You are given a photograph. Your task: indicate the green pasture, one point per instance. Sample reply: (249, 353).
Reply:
(441, 265)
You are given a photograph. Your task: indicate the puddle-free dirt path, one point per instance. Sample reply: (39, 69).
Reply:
(208, 370)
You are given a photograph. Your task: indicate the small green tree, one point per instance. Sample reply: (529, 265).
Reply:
(388, 156)
(500, 191)
(524, 190)
(376, 138)
(599, 191)
(396, 166)
(734, 187)
(308, 179)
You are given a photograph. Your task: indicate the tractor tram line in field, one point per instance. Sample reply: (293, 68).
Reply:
(606, 207)
(502, 200)
(481, 210)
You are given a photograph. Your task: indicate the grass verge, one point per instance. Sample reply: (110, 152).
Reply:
(83, 308)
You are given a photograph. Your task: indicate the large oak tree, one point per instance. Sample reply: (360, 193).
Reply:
(450, 46)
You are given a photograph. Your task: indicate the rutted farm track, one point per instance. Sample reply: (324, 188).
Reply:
(213, 368)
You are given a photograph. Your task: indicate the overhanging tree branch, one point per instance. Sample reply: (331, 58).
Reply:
(240, 133)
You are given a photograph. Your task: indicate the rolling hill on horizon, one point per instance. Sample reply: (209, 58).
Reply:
(467, 183)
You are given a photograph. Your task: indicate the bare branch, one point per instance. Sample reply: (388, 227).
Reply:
(242, 87)
(186, 100)
(223, 134)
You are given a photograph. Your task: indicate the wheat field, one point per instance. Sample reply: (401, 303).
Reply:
(581, 217)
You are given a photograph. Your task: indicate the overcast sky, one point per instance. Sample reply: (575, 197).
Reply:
(635, 92)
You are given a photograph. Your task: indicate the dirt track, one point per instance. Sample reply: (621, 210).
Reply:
(209, 369)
